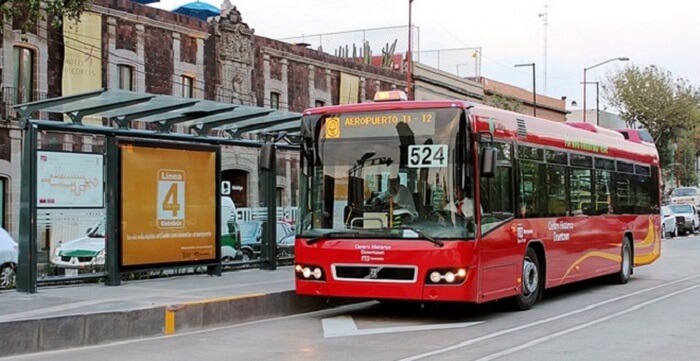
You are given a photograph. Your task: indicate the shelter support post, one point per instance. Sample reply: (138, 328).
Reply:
(269, 176)
(112, 203)
(26, 270)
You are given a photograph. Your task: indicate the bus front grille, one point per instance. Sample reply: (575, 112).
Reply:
(375, 273)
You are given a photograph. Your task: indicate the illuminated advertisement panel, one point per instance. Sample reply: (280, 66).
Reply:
(168, 205)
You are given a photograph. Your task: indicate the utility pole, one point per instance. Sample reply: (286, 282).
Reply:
(543, 16)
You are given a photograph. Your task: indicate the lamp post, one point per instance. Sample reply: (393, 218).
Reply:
(597, 101)
(623, 58)
(409, 60)
(534, 90)
(460, 65)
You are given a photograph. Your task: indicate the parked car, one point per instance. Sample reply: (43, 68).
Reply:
(285, 246)
(686, 195)
(668, 223)
(686, 215)
(87, 253)
(8, 259)
(252, 236)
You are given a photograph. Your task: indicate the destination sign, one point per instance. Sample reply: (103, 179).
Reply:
(384, 124)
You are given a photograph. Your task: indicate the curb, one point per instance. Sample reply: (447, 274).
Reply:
(63, 332)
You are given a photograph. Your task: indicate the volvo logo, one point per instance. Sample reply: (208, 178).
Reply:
(374, 273)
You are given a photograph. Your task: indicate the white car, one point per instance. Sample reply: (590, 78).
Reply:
(668, 223)
(87, 254)
(8, 259)
(686, 215)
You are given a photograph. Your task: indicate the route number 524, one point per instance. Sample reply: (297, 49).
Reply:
(427, 156)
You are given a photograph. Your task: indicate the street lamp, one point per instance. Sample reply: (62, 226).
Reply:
(409, 60)
(597, 101)
(534, 90)
(624, 58)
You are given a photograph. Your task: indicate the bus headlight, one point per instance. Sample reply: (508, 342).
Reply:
(309, 272)
(447, 276)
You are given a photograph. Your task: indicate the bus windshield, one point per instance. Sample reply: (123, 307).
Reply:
(388, 174)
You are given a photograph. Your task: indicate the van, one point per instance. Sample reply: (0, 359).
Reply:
(686, 195)
(230, 231)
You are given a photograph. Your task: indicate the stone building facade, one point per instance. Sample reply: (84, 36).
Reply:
(165, 53)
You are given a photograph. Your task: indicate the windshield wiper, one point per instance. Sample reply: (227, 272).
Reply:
(332, 234)
(420, 234)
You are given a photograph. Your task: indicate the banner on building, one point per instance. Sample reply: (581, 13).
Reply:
(349, 89)
(82, 63)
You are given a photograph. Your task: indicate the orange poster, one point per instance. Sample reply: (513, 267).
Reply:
(168, 205)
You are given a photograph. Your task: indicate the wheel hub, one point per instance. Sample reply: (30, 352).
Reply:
(530, 277)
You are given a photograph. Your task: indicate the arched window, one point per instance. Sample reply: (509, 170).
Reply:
(23, 77)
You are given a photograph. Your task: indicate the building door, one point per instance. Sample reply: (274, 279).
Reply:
(239, 185)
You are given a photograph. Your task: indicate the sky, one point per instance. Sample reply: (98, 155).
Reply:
(578, 35)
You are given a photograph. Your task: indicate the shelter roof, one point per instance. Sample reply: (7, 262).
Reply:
(122, 108)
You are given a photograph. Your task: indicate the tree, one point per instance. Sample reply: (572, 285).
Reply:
(31, 12)
(652, 98)
(687, 162)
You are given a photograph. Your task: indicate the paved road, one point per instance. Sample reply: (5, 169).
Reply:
(653, 317)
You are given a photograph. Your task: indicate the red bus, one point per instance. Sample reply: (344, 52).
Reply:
(453, 201)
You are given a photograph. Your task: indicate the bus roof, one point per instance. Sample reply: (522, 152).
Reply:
(508, 125)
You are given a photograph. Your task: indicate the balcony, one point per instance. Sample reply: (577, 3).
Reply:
(12, 96)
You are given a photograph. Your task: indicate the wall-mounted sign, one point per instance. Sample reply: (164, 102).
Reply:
(69, 180)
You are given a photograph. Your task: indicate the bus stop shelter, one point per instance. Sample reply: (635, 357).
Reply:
(115, 113)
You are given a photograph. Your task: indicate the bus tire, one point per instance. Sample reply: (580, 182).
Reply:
(531, 285)
(625, 272)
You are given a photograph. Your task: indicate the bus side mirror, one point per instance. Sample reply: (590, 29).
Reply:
(488, 162)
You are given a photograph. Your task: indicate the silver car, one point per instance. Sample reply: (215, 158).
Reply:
(687, 219)
(668, 223)
(8, 259)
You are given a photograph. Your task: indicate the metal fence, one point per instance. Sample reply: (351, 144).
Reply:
(463, 62)
(287, 214)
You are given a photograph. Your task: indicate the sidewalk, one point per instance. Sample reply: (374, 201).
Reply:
(88, 314)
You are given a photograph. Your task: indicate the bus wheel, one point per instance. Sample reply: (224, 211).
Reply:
(623, 276)
(531, 281)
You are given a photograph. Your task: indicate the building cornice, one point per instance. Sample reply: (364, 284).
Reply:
(140, 19)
